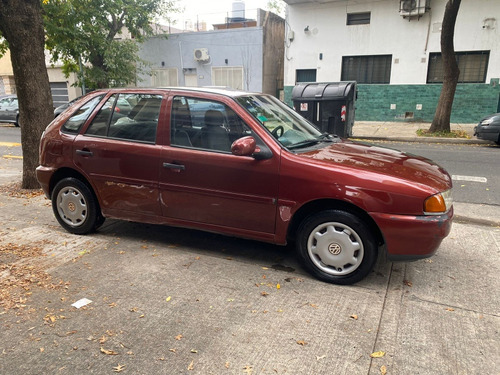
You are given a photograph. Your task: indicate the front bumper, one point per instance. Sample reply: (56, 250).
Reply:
(413, 237)
(488, 133)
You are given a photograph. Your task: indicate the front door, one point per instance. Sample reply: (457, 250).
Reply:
(202, 182)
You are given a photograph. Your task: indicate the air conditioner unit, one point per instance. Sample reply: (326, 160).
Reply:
(413, 8)
(201, 54)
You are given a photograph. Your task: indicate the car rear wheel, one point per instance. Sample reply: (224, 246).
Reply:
(17, 121)
(336, 246)
(75, 207)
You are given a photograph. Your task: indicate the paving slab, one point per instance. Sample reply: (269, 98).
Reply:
(168, 300)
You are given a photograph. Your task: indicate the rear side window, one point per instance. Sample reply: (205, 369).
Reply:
(132, 117)
(81, 115)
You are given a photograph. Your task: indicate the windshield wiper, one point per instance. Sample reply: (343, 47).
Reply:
(307, 142)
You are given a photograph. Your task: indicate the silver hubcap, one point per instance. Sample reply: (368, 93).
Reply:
(72, 206)
(335, 248)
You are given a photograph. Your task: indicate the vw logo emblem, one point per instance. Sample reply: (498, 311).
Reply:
(334, 249)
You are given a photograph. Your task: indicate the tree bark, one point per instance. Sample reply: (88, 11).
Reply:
(21, 24)
(441, 121)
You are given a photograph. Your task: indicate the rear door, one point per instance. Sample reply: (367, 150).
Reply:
(202, 182)
(120, 155)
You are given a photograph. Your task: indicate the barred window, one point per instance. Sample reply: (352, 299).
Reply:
(305, 75)
(473, 67)
(367, 69)
(358, 18)
(165, 77)
(228, 76)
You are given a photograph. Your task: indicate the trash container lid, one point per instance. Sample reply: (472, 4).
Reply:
(324, 90)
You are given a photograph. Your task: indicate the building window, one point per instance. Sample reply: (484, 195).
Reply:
(358, 18)
(228, 76)
(367, 69)
(305, 75)
(165, 77)
(473, 67)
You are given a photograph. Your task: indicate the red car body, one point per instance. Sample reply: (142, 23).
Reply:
(264, 198)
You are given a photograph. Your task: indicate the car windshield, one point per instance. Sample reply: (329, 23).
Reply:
(289, 128)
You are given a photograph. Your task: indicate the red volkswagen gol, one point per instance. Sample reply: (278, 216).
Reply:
(245, 165)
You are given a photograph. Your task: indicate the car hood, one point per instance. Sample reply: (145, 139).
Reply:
(497, 115)
(385, 161)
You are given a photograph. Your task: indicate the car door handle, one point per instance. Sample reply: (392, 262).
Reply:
(84, 152)
(177, 167)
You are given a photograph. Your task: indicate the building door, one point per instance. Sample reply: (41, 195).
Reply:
(191, 80)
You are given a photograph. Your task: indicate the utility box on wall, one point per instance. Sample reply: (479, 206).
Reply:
(330, 105)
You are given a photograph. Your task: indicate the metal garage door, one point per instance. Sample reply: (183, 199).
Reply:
(59, 91)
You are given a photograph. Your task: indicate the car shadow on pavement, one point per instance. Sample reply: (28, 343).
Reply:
(269, 256)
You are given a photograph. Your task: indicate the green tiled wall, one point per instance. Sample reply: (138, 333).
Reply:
(471, 103)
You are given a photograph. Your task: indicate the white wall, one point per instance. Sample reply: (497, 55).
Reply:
(410, 42)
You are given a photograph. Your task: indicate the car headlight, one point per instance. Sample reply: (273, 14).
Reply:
(438, 204)
(487, 121)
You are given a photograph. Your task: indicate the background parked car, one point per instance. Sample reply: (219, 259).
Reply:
(489, 128)
(9, 109)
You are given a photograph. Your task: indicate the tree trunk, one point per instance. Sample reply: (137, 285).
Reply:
(441, 121)
(21, 24)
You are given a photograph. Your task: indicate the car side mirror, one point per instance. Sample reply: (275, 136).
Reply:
(247, 146)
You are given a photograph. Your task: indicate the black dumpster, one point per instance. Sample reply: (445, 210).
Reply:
(329, 105)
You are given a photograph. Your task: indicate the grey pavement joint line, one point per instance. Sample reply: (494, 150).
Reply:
(455, 307)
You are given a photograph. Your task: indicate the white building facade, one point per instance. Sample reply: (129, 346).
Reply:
(392, 49)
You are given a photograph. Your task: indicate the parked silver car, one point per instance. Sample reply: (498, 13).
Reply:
(9, 109)
(489, 128)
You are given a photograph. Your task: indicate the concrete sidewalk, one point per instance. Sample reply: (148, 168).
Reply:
(407, 132)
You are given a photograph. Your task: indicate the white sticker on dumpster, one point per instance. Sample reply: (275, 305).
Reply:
(303, 107)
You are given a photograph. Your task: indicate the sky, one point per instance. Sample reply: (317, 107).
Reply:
(213, 11)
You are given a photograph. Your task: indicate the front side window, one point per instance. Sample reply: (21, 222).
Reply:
(289, 128)
(81, 115)
(204, 124)
(367, 69)
(473, 67)
(132, 117)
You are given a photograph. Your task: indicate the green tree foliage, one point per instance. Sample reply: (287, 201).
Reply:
(276, 6)
(91, 30)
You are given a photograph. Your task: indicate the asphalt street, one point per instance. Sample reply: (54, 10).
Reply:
(173, 301)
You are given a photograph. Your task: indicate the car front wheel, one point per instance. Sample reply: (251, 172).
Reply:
(336, 247)
(75, 207)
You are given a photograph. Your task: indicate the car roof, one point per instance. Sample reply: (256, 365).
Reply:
(226, 91)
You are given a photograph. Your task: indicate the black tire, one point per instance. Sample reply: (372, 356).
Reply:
(336, 246)
(75, 206)
(17, 121)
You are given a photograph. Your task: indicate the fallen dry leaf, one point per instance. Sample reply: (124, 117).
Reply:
(227, 364)
(119, 368)
(355, 317)
(108, 352)
(301, 342)
(264, 294)
(168, 298)
(178, 337)
(378, 354)
(320, 357)
(191, 366)
(408, 283)
(450, 309)
(383, 370)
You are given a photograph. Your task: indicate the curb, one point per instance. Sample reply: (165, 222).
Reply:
(426, 140)
(473, 220)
